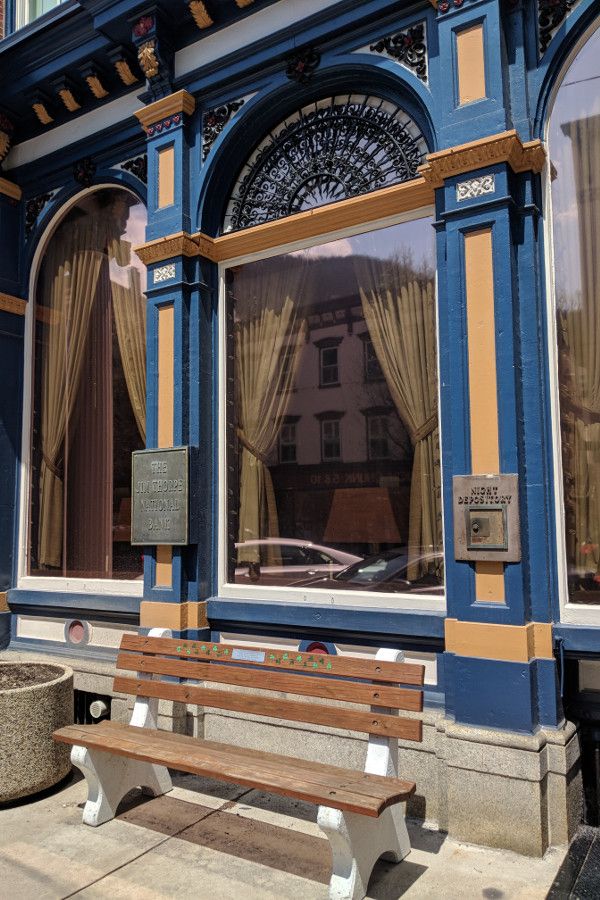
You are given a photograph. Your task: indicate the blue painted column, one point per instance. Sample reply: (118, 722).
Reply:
(500, 667)
(176, 382)
(12, 312)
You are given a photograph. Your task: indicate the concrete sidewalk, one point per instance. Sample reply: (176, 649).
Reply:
(210, 840)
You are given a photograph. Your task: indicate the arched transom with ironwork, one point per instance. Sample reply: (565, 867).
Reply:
(330, 150)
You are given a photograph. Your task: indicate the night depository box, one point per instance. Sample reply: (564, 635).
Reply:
(486, 518)
(160, 496)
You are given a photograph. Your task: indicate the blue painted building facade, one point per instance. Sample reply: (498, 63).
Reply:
(515, 668)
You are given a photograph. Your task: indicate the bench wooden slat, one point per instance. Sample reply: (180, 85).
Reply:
(311, 686)
(340, 666)
(264, 761)
(292, 710)
(346, 791)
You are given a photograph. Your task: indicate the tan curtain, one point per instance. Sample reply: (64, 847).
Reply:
(400, 314)
(129, 308)
(72, 268)
(579, 339)
(267, 330)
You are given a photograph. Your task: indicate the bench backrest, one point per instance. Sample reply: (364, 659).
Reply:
(371, 682)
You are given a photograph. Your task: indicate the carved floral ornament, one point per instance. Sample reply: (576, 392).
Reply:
(215, 120)
(551, 15)
(408, 47)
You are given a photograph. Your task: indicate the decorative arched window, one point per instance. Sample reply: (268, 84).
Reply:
(89, 390)
(333, 459)
(330, 150)
(574, 145)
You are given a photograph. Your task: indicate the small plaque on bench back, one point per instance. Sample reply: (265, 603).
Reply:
(160, 492)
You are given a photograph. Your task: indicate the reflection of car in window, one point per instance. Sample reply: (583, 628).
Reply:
(386, 572)
(280, 561)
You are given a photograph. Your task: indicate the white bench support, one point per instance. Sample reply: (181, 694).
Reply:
(109, 777)
(357, 842)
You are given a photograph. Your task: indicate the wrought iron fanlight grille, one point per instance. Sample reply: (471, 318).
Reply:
(330, 150)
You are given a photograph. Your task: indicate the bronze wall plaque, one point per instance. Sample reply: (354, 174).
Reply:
(486, 518)
(160, 496)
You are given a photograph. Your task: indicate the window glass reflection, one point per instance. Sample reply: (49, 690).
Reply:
(333, 461)
(574, 141)
(89, 410)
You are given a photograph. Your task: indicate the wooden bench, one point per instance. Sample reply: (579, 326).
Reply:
(361, 813)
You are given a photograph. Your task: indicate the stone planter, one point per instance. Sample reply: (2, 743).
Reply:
(38, 699)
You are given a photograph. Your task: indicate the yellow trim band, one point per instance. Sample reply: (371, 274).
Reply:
(10, 189)
(178, 616)
(11, 304)
(508, 643)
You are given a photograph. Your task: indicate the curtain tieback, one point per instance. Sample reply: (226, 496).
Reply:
(250, 447)
(50, 465)
(426, 429)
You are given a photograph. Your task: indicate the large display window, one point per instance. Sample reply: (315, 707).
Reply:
(88, 392)
(574, 145)
(331, 443)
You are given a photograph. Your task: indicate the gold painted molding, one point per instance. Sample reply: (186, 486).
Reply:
(382, 204)
(10, 189)
(178, 616)
(180, 102)
(4, 607)
(497, 148)
(509, 643)
(179, 244)
(11, 304)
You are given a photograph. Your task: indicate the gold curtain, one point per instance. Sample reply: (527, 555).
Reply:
(400, 314)
(72, 268)
(266, 332)
(579, 339)
(129, 308)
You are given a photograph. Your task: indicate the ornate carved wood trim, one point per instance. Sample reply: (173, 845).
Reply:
(506, 147)
(180, 244)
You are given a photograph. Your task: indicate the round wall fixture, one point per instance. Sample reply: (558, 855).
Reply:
(77, 633)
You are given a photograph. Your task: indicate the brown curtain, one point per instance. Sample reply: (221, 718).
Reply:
(579, 341)
(266, 331)
(73, 265)
(129, 309)
(400, 314)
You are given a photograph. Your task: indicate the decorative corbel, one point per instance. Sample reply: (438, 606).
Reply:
(200, 14)
(124, 65)
(41, 105)
(93, 77)
(66, 91)
(6, 135)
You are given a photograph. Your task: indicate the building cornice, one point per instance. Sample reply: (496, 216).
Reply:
(506, 147)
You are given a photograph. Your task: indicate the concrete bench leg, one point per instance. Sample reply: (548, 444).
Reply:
(110, 777)
(357, 842)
